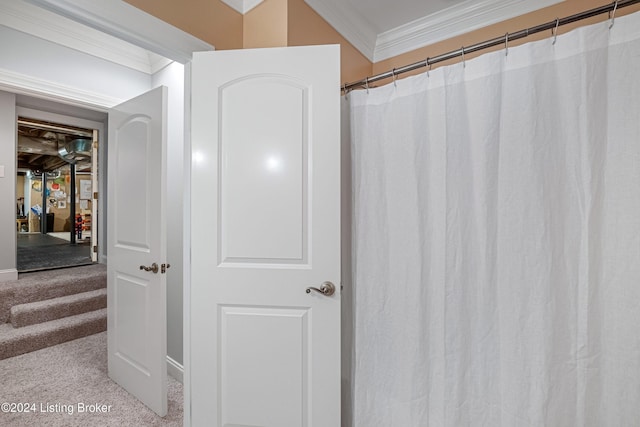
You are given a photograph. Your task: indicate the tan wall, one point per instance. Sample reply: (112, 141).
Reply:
(293, 23)
(209, 20)
(566, 8)
(19, 186)
(266, 25)
(61, 219)
(273, 21)
(306, 27)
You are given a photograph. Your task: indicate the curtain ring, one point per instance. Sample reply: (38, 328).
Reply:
(612, 15)
(554, 31)
(346, 92)
(464, 64)
(393, 76)
(366, 84)
(506, 44)
(426, 63)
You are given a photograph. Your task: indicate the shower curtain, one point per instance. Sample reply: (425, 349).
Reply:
(496, 239)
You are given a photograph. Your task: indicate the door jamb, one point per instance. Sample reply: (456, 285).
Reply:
(35, 113)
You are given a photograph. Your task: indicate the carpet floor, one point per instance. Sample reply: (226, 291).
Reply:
(43, 285)
(60, 382)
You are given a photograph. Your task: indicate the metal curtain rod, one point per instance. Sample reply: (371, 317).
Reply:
(551, 25)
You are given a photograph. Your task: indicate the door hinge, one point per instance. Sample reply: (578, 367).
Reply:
(95, 249)
(95, 144)
(95, 195)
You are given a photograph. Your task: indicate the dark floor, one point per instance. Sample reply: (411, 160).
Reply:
(44, 252)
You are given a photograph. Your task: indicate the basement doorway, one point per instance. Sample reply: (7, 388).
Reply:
(56, 204)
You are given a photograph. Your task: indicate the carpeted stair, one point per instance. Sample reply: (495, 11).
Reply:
(46, 308)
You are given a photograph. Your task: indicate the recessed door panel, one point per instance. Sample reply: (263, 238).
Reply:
(131, 321)
(264, 169)
(263, 366)
(132, 148)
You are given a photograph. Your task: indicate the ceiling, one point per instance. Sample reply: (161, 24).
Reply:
(47, 147)
(384, 15)
(379, 29)
(382, 29)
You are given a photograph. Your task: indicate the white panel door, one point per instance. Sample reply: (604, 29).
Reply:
(265, 226)
(94, 199)
(136, 297)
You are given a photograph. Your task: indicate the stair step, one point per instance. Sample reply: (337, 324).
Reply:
(16, 341)
(46, 285)
(56, 308)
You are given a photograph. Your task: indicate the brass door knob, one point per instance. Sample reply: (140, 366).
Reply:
(153, 268)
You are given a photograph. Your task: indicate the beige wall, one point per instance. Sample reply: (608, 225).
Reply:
(19, 186)
(209, 20)
(266, 25)
(62, 217)
(294, 23)
(306, 27)
(270, 24)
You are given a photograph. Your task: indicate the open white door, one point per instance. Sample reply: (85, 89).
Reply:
(136, 297)
(94, 199)
(265, 226)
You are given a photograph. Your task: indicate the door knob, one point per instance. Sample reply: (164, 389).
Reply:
(327, 288)
(153, 268)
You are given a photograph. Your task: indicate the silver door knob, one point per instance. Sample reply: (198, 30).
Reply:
(327, 288)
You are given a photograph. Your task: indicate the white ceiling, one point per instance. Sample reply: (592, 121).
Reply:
(385, 15)
(381, 29)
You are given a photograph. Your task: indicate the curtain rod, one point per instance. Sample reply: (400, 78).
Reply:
(551, 25)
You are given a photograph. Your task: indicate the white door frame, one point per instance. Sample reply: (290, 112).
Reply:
(35, 113)
(130, 24)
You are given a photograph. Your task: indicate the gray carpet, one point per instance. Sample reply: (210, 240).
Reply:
(44, 285)
(71, 373)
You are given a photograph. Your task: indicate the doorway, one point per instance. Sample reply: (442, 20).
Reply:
(55, 203)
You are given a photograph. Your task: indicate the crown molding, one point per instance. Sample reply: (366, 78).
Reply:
(46, 25)
(348, 22)
(32, 86)
(242, 6)
(126, 22)
(451, 22)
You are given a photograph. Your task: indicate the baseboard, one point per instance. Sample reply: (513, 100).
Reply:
(8, 275)
(175, 370)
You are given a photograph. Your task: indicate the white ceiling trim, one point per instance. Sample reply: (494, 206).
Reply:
(125, 22)
(242, 6)
(27, 85)
(348, 22)
(46, 25)
(451, 22)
